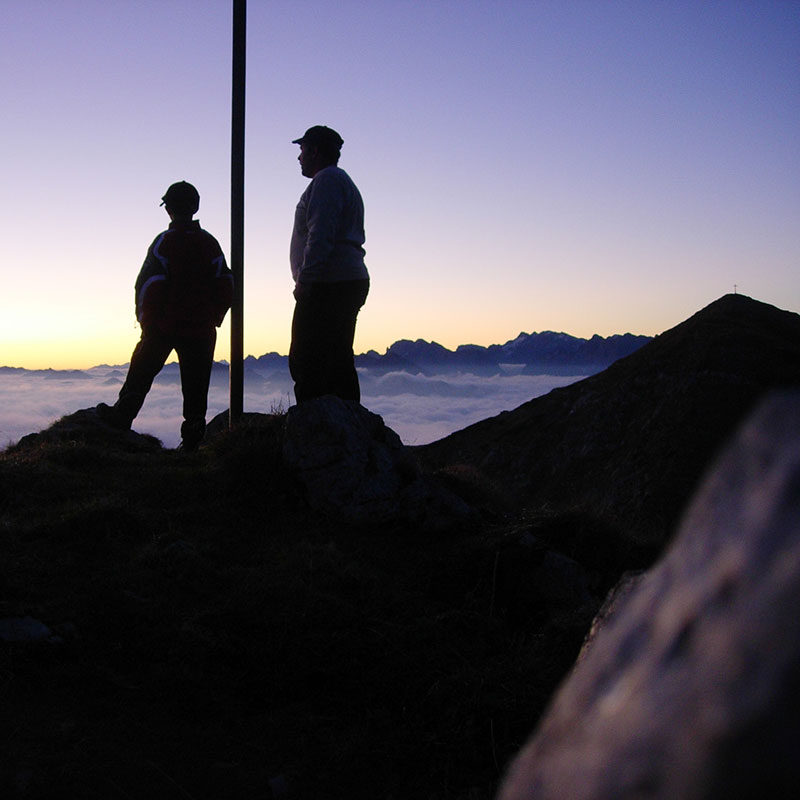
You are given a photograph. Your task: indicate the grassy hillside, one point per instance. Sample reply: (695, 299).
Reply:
(213, 638)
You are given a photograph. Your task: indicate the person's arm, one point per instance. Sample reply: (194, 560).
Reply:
(151, 284)
(223, 283)
(323, 215)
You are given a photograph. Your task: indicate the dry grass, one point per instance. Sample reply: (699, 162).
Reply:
(214, 634)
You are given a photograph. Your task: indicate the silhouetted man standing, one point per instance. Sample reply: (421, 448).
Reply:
(331, 279)
(183, 291)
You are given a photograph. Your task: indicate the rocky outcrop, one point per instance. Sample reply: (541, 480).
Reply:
(87, 427)
(352, 466)
(690, 688)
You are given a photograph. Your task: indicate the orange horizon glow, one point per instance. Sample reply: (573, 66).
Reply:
(83, 349)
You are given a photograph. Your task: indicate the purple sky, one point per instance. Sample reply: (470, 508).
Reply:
(587, 166)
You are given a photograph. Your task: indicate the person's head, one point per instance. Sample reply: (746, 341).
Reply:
(181, 201)
(320, 147)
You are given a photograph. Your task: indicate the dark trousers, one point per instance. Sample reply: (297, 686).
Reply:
(195, 356)
(323, 328)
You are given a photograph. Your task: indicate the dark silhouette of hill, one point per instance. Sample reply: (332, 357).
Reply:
(629, 444)
(184, 625)
(180, 624)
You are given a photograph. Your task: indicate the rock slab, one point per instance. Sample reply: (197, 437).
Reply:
(352, 466)
(691, 688)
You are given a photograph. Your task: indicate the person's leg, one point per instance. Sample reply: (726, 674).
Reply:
(307, 352)
(196, 358)
(346, 301)
(148, 358)
(323, 328)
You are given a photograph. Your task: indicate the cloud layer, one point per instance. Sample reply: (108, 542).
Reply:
(419, 408)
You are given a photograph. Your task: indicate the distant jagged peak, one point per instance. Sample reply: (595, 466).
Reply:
(471, 348)
(417, 349)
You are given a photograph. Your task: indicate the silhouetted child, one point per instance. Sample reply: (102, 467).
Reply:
(183, 291)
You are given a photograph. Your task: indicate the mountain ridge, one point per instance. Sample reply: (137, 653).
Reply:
(654, 417)
(540, 353)
(545, 352)
(534, 353)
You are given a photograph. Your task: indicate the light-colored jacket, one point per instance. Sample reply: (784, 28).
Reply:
(328, 237)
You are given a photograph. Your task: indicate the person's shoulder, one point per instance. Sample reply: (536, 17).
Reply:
(191, 229)
(332, 175)
(210, 241)
(334, 180)
(202, 230)
(159, 238)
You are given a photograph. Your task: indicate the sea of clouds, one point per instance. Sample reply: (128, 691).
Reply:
(419, 408)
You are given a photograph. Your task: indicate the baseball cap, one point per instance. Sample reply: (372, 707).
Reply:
(181, 197)
(320, 134)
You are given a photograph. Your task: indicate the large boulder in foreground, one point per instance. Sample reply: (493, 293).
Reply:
(691, 689)
(353, 467)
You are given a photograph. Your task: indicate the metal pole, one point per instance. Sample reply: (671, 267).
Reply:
(236, 371)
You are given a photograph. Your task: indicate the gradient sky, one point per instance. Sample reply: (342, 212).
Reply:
(587, 166)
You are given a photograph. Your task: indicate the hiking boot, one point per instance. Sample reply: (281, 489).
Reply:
(188, 446)
(111, 417)
(192, 432)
